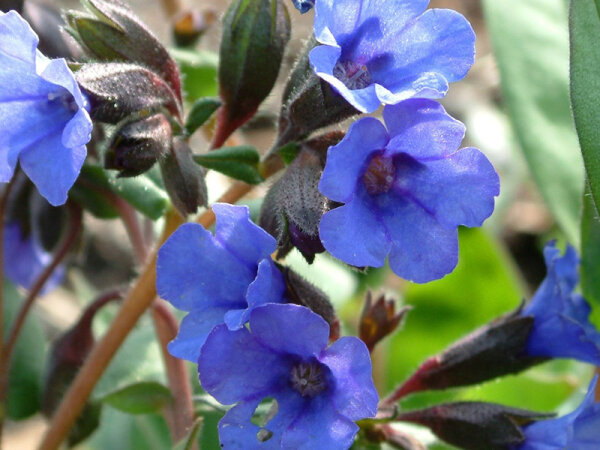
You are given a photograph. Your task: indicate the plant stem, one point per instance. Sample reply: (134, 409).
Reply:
(132, 225)
(138, 300)
(181, 411)
(3, 203)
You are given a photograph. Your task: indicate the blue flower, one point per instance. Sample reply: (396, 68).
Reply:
(24, 259)
(283, 355)
(304, 5)
(386, 51)
(561, 327)
(579, 430)
(406, 190)
(217, 278)
(43, 122)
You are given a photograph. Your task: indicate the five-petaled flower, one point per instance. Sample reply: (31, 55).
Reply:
(320, 391)
(406, 190)
(43, 119)
(561, 327)
(217, 278)
(386, 51)
(579, 430)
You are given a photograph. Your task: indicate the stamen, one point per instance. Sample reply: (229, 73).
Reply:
(353, 75)
(379, 176)
(308, 378)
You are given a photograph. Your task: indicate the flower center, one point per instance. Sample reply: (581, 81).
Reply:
(65, 98)
(353, 75)
(379, 176)
(308, 378)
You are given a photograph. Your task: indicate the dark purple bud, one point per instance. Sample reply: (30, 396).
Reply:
(379, 319)
(137, 145)
(111, 32)
(190, 26)
(294, 206)
(301, 292)
(494, 350)
(255, 33)
(309, 103)
(117, 90)
(183, 178)
(7, 5)
(475, 425)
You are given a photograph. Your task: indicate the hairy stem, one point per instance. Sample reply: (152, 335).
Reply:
(181, 411)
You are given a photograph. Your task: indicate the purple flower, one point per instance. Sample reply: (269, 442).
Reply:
(319, 391)
(304, 5)
(43, 122)
(561, 327)
(579, 430)
(217, 278)
(25, 259)
(386, 51)
(406, 190)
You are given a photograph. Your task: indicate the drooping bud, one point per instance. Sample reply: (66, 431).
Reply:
(190, 26)
(255, 33)
(111, 32)
(137, 145)
(379, 319)
(494, 350)
(475, 425)
(301, 292)
(309, 103)
(117, 90)
(183, 178)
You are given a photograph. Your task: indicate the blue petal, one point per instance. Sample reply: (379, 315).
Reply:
(456, 190)
(561, 326)
(422, 129)
(355, 395)
(268, 287)
(422, 249)
(234, 366)
(193, 331)
(289, 329)
(347, 161)
(25, 259)
(354, 232)
(240, 236)
(52, 167)
(58, 73)
(17, 39)
(304, 5)
(193, 269)
(436, 48)
(320, 426)
(236, 430)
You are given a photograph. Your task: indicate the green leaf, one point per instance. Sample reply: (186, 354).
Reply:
(26, 372)
(93, 201)
(289, 152)
(239, 162)
(590, 254)
(199, 70)
(584, 27)
(531, 46)
(200, 112)
(140, 398)
(141, 192)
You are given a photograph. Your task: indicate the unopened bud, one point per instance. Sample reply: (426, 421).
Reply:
(137, 145)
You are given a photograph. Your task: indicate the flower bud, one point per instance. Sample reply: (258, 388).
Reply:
(111, 32)
(183, 178)
(255, 33)
(378, 319)
(137, 145)
(190, 26)
(475, 425)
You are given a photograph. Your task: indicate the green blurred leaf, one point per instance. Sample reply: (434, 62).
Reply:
(239, 162)
(26, 372)
(482, 287)
(139, 398)
(200, 112)
(199, 70)
(141, 192)
(584, 27)
(590, 255)
(532, 47)
(289, 152)
(91, 200)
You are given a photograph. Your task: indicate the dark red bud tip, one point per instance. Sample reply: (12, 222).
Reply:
(379, 319)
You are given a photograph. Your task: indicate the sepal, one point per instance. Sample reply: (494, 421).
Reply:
(378, 319)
